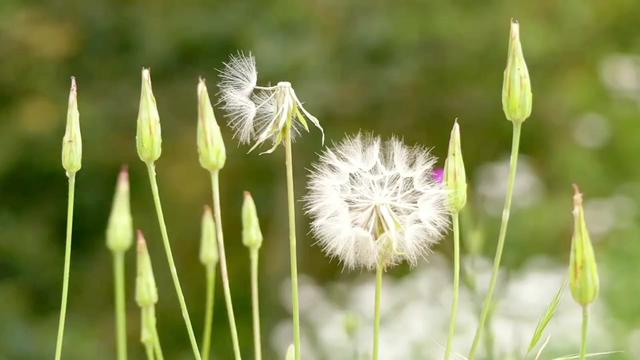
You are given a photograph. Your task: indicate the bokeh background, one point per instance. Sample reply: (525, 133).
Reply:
(392, 67)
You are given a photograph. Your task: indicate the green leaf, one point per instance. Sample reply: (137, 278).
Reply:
(546, 318)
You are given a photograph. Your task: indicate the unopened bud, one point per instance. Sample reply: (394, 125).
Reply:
(208, 245)
(148, 135)
(516, 86)
(146, 290)
(583, 271)
(120, 226)
(211, 151)
(251, 234)
(454, 175)
(72, 141)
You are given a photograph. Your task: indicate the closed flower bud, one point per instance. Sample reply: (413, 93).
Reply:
(146, 290)
(120, 226)
(583, 271)
(251, 234)
(72, 141)
(208, 249)
(516, 87)
(148, 136)
(211, 149)
(454, 174)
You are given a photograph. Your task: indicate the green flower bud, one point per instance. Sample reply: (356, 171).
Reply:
(454, 174)
(583, 271)
(208, 245)
(291, 353)
(72, 141)
(516, 87)
(146, 290)
(148, 136)
(211, 151)
(120, 226)
(251, 234)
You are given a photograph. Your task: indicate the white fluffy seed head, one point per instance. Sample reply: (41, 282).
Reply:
(256, 113)
(374, 202)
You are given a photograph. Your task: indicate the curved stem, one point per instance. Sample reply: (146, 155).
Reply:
(215, 188)
(208, 316)
(585, 328)
(67, 266)
(255, 304)
(292, 243)
(167, 247)
(121, 319)
(376, 318)
(501, 239)
(456, 283)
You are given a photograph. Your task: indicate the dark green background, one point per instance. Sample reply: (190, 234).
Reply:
(394, 67)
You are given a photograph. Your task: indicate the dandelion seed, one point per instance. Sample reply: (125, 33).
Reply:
(260, 113)
(375, 202)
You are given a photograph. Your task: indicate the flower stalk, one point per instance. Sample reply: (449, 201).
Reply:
(208, 258)
(71, 162)
(119, 240)
(215, 188)
(212, 155)
(148, 143)
(516, 101)
(252, 239)
(376, 312)
(292, 242)
(456, 182)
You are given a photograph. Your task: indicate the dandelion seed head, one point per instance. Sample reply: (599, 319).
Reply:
(376, 201)
(259, 114)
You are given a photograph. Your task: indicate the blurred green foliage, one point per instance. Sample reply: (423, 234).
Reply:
(393, 67)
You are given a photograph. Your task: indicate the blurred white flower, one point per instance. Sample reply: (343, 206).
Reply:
(592, 130)
(621, 74)
(260, 113)
(492, 185)
(606, 214)
(374, 201)
(415, 315)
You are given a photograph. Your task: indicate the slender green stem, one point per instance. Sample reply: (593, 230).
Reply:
(167, 247)
(585, 329)
(67, 266)
(376, 318)
(152, 345)
(456, 282)
(292, 243)
(156, 344)
(215, 188)
(148, 348)
(255, 304)
(501, 239)
(208, 316)
(121, 318)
